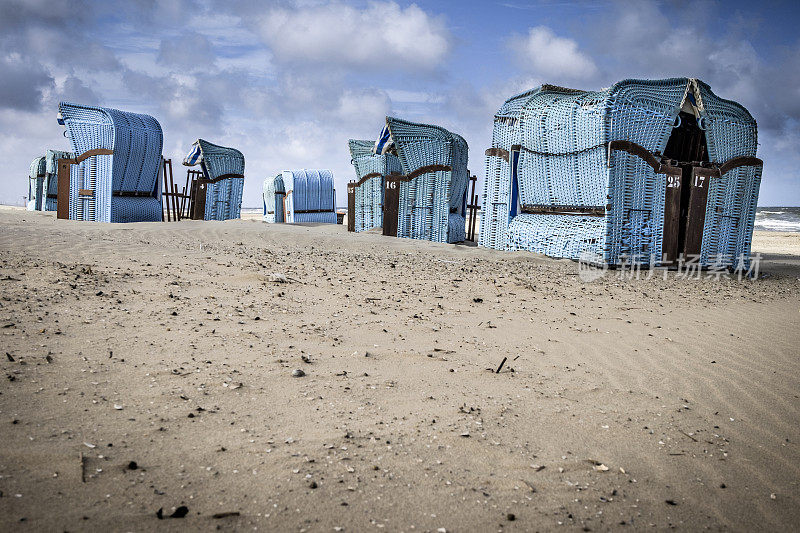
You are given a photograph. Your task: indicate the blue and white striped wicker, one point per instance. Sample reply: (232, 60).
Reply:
(125, 185)
(225, 168)
(310, 196)
(51, 177)
(36, 184)
(369, 194)
(432, 204)
(557, 145)
(274, 193)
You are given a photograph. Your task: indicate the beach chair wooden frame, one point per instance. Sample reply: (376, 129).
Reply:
(65, 180)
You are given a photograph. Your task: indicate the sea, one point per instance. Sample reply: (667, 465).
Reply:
(778, 219)
(767, 218)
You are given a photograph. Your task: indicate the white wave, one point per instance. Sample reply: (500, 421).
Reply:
(778, 225)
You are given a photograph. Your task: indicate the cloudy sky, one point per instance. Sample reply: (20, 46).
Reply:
(288, 82)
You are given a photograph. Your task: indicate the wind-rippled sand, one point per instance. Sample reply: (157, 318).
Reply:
(622, 404)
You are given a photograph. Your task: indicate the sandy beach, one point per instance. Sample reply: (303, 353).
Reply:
(150, 366)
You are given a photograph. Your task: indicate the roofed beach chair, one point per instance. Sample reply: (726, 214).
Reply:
(367, 190)
(309, 196)
(50, 185)
(218, 195)
(273, 196)
(431, 194)
(648, 171)
(114, 174)
(36, 184)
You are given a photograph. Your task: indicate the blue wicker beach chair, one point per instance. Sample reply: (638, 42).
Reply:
(36, 184)
(274, 196)
(218, 196)
(600, 174)
(309, 196)
(114, 175)
(368, 188)
(432, 194)
(50, 186)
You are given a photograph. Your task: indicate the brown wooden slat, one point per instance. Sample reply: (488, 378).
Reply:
(637, 150)
(199, 211)
(471, 210)
(90, 153)
(391, 204)
(365, 178)
(696, 218)
(85, 192)
(62, 204)
(739, 162)
(139, 194)
(165, 192)
(498, 152)
(594, 211)
(175, 211)
(351, 206)
(672, 215)
(426, 169)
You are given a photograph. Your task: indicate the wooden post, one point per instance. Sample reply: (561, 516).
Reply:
(472, 210)
(175, 202)
(165, 192)
(351, 206)
(185, 198)
(474, 216)
(62, 203)
(191, 180)
(173, 189)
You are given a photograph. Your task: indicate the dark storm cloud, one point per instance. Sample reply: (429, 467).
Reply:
(23, 84)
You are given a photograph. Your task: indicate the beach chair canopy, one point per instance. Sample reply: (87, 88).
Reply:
(215, 160)
(223, 169)
(575, 172)
(122, 187)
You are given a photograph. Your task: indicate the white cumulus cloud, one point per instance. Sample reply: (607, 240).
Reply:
(543, 52)
(381, 35)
